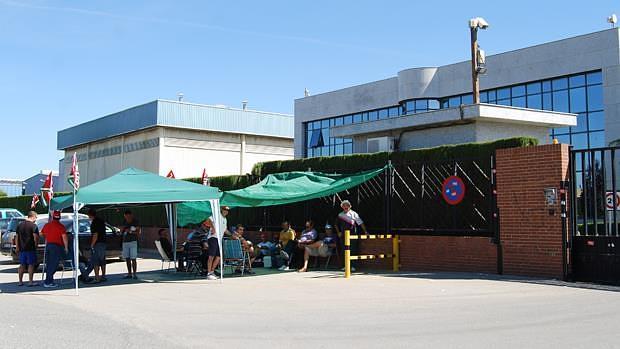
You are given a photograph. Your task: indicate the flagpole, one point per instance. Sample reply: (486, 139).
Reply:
(76, 238)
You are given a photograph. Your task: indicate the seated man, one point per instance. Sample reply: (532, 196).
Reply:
(320, 248)
(246, 245)
(308, 236)
(265, 247)
(286, 245)
(194, 238)
(165, 243)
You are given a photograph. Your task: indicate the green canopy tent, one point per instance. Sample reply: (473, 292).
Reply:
(279, 189)
(134, 186)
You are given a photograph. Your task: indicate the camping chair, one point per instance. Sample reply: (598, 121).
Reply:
(333, 251)
(194, 255)
(164, 256)
(234, 257)
(65, 265)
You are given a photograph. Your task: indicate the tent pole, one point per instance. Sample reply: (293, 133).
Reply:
(76, 242)
(174, 232)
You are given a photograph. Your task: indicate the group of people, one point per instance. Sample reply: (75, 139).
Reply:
(284, 249)
(58, 247)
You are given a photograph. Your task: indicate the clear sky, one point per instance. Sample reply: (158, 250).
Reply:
(66, 62)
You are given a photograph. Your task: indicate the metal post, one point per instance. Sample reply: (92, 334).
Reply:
(563, 196)
(347, 254)
(474, 63)
(395, 253)
(613, 189)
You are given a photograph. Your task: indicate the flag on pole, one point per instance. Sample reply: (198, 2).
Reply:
(35, 201)
(47, 190)
(74, 176)
(205, 177)
(170, 174)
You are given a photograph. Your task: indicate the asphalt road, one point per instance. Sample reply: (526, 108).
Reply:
(315, 309)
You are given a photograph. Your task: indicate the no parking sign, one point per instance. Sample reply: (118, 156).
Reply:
(453, 190)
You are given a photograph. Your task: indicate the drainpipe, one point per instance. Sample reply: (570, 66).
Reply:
(242, 154)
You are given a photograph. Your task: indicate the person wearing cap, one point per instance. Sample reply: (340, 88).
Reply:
(131, 231)
(351, 221)
(56, 239)
(320, 248)
(224, 222)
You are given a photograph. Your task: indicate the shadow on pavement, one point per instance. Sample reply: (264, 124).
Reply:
(494, 277)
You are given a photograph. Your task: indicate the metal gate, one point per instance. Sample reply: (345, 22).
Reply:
(595, 215)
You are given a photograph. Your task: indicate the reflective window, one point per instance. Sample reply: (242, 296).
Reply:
(421, 105)
(455, 101)
(582, 123)
(518, 102)
(595, 97)
(560, 101)
(577, 80)
(383, 114)
(559, 84)
(433, 104)
(518, 91)
(533, 88)
(373, 115)
(596, 121)
(316, 139)
(579, 140)
(594, 78)
(547, 102)
(597, 139)
(578, 100)
(394, 112)
(534, 101)
(467, 99)
(348, 120)
(357, 118)
(503, 93)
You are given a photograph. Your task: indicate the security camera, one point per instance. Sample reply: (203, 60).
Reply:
(481, 62)
(612, 20)
(478, 22)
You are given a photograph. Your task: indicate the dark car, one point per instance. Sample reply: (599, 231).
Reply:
(7, 246)
(4, 224)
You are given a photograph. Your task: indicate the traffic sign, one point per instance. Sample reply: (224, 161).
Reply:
(453, 190)
(609, 202)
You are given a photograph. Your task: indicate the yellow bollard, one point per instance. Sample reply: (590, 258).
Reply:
(395, 253)
(347, 254)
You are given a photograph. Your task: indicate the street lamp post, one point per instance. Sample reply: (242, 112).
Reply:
(477, 57)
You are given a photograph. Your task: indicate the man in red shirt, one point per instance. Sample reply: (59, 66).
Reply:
(55, 240)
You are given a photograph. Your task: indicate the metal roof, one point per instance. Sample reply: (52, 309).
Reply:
(178, 114)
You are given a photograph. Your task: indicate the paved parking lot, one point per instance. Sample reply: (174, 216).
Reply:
(315, 309)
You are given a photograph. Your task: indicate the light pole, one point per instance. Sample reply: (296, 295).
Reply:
(477, 55)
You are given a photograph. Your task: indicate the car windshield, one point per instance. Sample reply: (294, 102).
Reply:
(4, 223)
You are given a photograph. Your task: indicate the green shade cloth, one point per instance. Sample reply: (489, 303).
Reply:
(193, 212)
(288, 187)
(134, 186)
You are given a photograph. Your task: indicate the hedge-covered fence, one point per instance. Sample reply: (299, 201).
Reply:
(156, 215)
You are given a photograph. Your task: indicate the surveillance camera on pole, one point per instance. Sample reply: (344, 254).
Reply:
(478, 59)
(612, 20)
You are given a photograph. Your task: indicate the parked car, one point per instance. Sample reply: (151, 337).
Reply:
(10, 213)
(4, 224)
(113, 240)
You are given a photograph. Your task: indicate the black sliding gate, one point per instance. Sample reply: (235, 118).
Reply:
(595, 215)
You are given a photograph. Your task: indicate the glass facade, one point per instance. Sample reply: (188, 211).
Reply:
(581, 94)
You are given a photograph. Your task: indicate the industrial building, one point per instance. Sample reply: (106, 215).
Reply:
(186, 138)
(535, 91)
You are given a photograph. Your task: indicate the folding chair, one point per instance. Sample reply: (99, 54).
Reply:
(194, 254)
(332, 251)
(66, 265)
(164, 256)
(234, 257)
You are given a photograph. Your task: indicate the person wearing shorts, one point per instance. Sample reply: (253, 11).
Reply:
(97, 249)
(27, 240)
(131, 231)
(213, 249)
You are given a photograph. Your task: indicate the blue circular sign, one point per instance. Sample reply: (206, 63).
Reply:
(453, 190)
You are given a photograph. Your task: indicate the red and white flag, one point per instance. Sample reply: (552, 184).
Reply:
(170, 174)
(35, 201)
(47, 190)
(74, 176)
(205, 177)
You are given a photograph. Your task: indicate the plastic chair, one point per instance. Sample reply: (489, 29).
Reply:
(164, 256)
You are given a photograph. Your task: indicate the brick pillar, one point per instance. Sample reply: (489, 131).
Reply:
(531, 231)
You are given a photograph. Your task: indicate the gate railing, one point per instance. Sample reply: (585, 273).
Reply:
(347, 250)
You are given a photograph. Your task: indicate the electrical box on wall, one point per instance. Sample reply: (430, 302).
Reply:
(379, 144)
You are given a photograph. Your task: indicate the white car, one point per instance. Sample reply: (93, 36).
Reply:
(10, 213)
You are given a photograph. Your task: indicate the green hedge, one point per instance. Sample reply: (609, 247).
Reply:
(367, 161)
(22, 203)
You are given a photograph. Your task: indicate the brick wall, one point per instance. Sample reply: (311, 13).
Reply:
(531, 231)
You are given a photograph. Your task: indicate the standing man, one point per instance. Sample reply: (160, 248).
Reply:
(55, 236)
(213, 250)
(97, 248)
(350, 220)
(131, 231)
(27, 240)
(224, 222)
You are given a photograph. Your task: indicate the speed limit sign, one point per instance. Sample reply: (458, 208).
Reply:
(609, 201)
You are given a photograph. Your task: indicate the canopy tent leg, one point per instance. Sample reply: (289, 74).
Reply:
(76, 242)
(171, 210)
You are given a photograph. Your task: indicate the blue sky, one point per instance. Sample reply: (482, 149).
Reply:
(65, 62)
